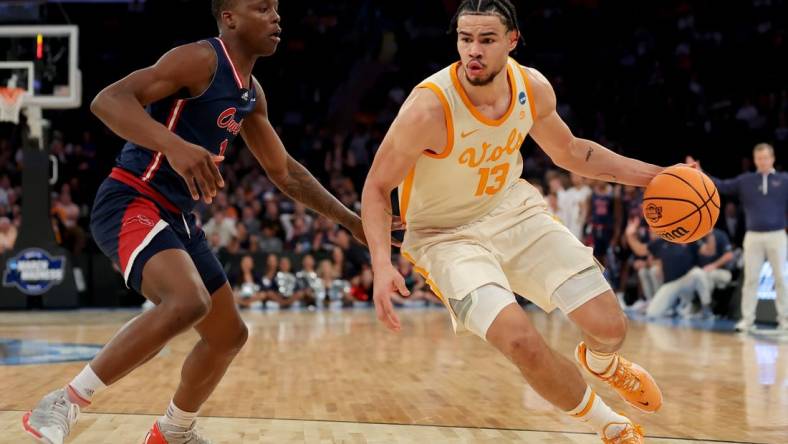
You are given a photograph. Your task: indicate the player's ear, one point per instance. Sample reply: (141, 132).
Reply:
(514, 38)
(228, 19)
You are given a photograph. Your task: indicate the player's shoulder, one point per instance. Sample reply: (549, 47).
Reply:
(422, 107)
(535, 77)
(191, 54)
(544, 95)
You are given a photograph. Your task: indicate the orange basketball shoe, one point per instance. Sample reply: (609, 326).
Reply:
(629, 380)
(630, 434)
(168, 434)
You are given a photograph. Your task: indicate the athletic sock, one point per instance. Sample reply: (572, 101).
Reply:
(178, 417)
(82, 388)
(601, 363)
(593, 411)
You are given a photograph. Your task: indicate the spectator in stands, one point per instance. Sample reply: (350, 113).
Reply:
(272, 215)
(681, 274)
(555, 185)
(605, 220)
(214, 241)
(764, 196)
(285, 280)
(229, 254)
(648, 268)
(7, 235)
(268, 284)
(631, 206)
(250, 221)
(65, 209)
(72, 236)
(221, 225)
(353, 256)
(288, 220)
(242, 235)
(574, 204)
(246, 284)
(269, 242)
(5, 189)
(308, 284)
(733, 223)
(324, 234)
(715, 257)
(300, 239)
(333, 287)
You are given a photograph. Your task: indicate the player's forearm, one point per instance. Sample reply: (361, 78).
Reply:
(126, 117)
(637, 247)
(300, 185)
(375, 219)
(590, 159)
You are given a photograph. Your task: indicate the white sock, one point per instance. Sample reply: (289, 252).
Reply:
(84, 386)
(178, 417)
(601, 363)
(593, 411)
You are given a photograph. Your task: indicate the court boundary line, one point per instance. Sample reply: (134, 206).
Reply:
(441, 426)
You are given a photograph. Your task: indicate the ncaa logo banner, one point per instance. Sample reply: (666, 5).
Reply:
(33, 271)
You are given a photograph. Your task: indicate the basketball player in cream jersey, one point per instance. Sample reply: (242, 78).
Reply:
(479, 234)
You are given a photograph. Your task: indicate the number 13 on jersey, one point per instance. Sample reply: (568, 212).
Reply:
(498, 175)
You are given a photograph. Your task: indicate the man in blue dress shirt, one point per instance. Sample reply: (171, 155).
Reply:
(764, 196)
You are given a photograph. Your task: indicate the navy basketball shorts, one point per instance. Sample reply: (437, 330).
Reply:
(131, 222)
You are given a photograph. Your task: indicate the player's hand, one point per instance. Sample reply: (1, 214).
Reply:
(692, 163)
(198, 168)
(387, 280)
(632, 226)
(709, 267)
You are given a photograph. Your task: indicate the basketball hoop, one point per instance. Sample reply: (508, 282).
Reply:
(10, 104)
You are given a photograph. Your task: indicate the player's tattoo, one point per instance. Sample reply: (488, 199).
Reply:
(588, 154)
(301, 186)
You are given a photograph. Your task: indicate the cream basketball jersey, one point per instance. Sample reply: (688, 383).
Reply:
(481, 159)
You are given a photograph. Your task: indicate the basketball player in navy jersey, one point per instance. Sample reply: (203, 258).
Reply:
(179, 116)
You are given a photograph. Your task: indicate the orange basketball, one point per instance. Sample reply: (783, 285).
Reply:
(681, 204)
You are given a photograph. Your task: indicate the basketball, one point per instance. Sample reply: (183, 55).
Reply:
(681, 204)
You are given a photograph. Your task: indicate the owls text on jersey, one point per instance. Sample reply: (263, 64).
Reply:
(211, 120)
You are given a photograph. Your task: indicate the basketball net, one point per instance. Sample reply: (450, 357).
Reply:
(10, 104)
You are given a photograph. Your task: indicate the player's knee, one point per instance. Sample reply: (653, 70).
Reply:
(526, 350)
(238, 338)
(190, 307)
(612, 330)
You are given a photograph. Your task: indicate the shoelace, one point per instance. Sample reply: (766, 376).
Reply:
(60, 419)
(629, 435)
(624, 377)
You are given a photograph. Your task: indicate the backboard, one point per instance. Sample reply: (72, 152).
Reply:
(43, 60)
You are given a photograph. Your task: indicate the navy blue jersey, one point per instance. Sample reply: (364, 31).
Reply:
(602, 209)
(211, 120)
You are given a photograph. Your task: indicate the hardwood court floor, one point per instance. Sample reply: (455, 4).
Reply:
(337, 376)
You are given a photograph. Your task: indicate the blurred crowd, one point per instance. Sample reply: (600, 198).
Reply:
(681, 78)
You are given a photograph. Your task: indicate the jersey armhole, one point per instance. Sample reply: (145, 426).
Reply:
(447, 117)
(215, 71)
(528, 91)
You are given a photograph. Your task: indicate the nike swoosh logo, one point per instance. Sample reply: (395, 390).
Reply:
(644, 404)
(464, 134)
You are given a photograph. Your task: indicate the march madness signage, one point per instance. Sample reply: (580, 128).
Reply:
(33, 271)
